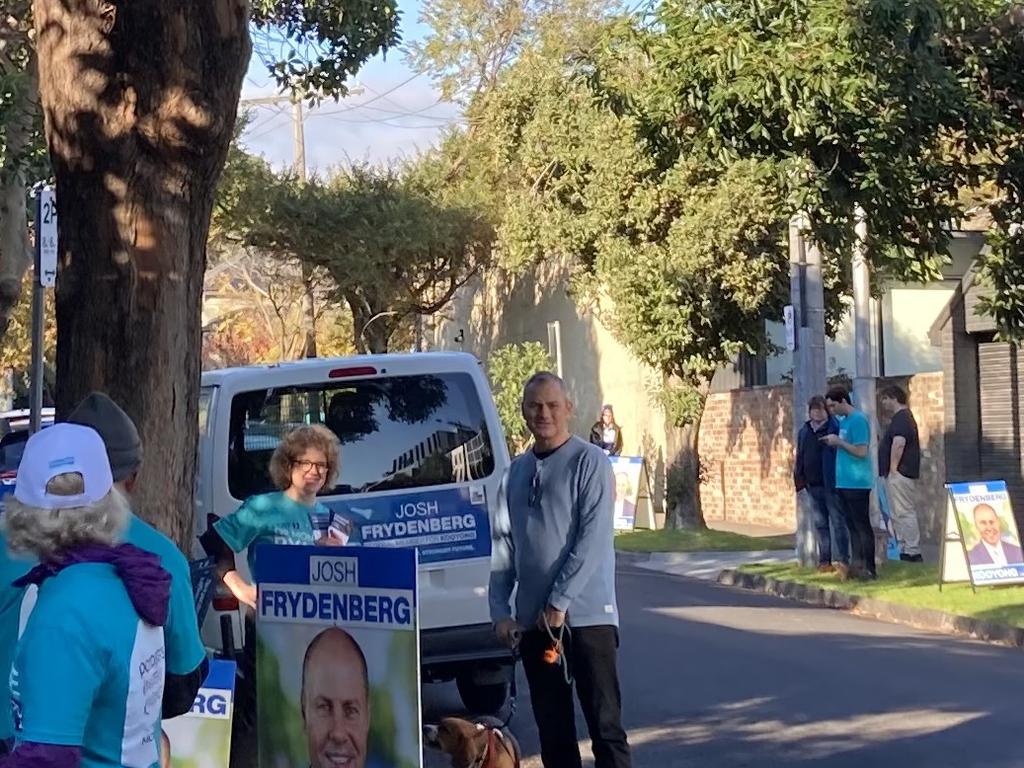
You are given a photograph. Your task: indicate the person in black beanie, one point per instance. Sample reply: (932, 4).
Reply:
(186, 663)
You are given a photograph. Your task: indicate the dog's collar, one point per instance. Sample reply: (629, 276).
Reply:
(490, 750)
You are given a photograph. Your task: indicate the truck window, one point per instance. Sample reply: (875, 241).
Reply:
(395, 432)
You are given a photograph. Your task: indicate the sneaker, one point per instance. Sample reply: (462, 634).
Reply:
(904, 557)
(825, 568)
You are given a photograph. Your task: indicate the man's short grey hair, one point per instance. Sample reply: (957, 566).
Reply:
(48, 532)
(545, 377)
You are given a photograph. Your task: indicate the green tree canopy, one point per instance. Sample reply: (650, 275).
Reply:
(394, 241)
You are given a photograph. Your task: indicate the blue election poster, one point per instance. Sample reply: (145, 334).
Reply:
(989, 531)
(202, 737)
(337, 654)
(448, 524)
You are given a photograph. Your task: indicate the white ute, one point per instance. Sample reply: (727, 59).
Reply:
(422, 459)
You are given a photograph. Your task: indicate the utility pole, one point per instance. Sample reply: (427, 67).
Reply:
(806, 338)
(864, 365)
(299, 166)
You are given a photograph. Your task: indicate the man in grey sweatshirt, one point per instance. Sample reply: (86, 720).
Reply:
(555, 543)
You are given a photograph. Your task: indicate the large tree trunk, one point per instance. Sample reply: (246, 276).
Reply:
(140, 100)
(15, 254)
(686, 511)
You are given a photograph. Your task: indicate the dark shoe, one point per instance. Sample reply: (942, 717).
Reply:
(867, 576)
(904, 557)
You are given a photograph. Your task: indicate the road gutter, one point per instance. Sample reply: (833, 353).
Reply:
(920, 618)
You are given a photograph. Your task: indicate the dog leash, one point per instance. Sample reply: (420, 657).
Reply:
(556, 653)
(513, 688)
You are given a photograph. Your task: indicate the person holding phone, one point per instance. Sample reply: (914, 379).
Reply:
(854, 479)
(307, 460)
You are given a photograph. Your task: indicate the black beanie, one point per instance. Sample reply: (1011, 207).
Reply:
(124, 448)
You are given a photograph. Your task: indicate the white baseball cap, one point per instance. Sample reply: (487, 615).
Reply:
(58, 450)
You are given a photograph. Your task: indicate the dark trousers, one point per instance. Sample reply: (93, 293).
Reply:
(830, 526)
(857, 507)
(591, 653)
(243, 724)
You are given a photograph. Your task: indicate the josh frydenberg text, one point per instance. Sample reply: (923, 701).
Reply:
(333, 596)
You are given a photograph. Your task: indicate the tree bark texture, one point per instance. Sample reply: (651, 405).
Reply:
(372, 326)
(15, 250)
(687, 511)
(139, 100)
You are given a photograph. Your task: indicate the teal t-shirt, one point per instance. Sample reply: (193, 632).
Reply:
(88, 671)
(11, 569)
(852, 471)
(184, 645)
(185, 650)
(271, 518)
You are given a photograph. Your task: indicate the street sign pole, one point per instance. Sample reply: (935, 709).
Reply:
(45, 276)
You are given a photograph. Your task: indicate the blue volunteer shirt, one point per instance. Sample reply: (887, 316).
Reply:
(853, 472)
(185, 650)
(271, 518)
(88, 671)
(184, 646)
(11, 569)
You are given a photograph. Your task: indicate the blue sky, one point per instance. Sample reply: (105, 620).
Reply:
(397, 113)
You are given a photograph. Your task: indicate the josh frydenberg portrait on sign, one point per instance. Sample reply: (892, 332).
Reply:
(337, 658)
(989, 530)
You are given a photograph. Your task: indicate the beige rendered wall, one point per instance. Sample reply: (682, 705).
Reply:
(501, 308)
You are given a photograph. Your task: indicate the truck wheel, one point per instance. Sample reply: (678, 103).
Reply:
(482, 698)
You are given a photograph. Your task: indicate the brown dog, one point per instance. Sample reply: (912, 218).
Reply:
(473, 745)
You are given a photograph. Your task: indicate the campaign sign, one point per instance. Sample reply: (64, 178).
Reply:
(628, 475)
(444, 525)
(337, 654)
(202, 572)
(202, 737)
(988, 532)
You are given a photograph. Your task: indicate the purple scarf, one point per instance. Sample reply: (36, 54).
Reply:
(147, 583)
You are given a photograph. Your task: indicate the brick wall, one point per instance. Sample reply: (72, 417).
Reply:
(746, 446)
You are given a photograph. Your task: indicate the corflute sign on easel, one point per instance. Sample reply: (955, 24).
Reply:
(337, 645)
(980, 542)
(202, 738)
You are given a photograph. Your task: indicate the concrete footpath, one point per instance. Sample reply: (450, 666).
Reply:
(705, 566)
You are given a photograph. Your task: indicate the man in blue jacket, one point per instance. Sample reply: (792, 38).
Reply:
(556, 545)
(814, 470)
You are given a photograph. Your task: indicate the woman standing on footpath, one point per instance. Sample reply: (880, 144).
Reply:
(307, 460)
(88, 673)
(606, 434)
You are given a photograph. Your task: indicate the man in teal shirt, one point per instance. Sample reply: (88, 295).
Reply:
(187, 664)
(854, 479)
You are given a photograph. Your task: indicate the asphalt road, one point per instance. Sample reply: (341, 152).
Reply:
(715, 676)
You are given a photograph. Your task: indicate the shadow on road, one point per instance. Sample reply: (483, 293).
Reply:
(722, 677)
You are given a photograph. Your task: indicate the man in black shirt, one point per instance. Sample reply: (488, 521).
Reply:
(899, 463)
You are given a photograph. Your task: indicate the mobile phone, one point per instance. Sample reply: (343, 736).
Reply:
(340, 528)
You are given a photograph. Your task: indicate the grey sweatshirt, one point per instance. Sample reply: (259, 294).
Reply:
(558, 550)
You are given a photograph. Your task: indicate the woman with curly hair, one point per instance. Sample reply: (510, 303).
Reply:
(88, 673)
(307, 460)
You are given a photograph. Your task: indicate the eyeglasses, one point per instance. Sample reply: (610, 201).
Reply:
(308, 466)
(534, 500)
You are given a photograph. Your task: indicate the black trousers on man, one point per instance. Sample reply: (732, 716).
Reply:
(857, 506)
(591, 653)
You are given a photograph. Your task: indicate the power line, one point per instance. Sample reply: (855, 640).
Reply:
(378, 97)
